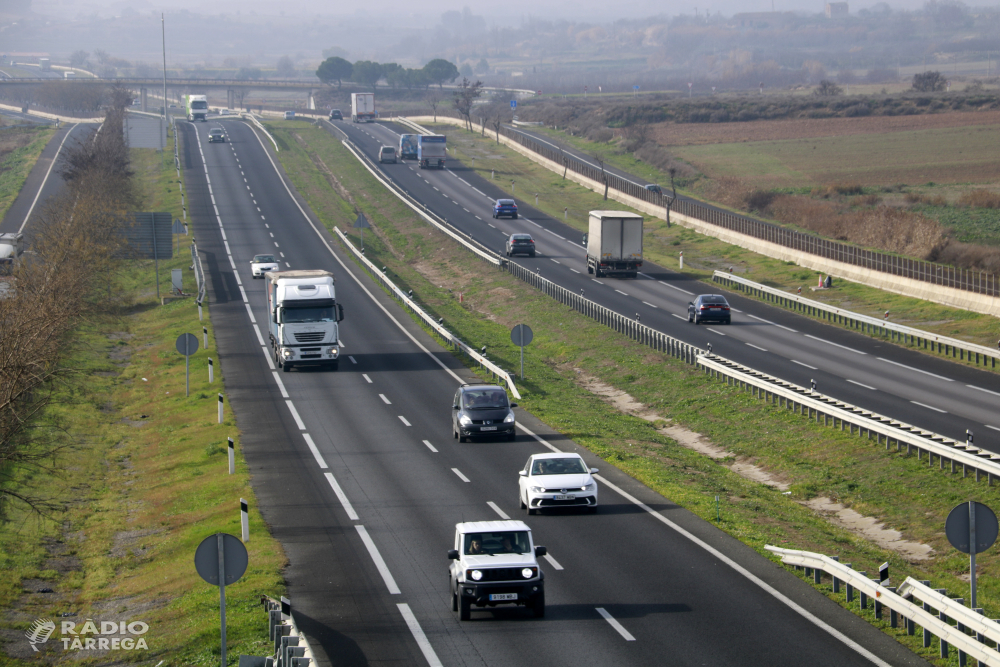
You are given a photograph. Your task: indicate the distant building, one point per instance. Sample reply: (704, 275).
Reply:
(762, 19)
(836, 10)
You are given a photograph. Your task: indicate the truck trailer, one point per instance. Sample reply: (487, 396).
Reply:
(362, 107)
(197, 107)
(614, 243)
(303, 316)
(431, 150)
(408, 146)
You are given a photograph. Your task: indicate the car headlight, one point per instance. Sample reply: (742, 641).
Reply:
(476, 574)
(286, 353)
(587, 487)
(464, 420)
(509, 419)
(537, 489)
(528, 572)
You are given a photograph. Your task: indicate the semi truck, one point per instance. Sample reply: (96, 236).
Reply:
(614, 243)
(303, 316)
(197, 107)
(408, 146)
(431, 150)
(11, 247)
(362, 107)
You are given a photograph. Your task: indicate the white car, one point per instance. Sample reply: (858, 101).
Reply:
(261, 264)
(557, 480)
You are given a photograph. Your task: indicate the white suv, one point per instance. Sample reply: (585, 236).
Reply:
(493, 562)
(557, 480)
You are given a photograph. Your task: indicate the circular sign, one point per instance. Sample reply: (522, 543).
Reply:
(957, 527)
(187, 344)
(206, 558)
(521, 334)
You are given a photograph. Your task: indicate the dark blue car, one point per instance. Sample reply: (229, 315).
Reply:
(505, 207)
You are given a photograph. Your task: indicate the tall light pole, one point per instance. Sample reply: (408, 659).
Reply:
(163, 30)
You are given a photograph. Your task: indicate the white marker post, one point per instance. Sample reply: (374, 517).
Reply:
(211, 371)
(244, 519)
(220, 408)
(682, 259)
(201, 317)
(204, 333)
(232, 457)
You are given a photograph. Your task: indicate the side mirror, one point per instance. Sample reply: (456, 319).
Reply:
(513, 405)
(455, 407)
(453, 554)
(594, 471)
(522, 473)
(585, 239)
(540, 551)
(340, 313)
(277, 315)
(690, 303)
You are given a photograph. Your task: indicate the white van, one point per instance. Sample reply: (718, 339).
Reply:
(289, 115)
(387, 154)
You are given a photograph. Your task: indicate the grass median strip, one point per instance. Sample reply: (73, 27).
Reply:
(581, 378)
(20, 148)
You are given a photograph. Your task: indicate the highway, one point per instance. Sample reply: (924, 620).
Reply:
(929, 392)
(358, 476)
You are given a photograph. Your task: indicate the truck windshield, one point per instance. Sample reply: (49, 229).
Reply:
(197, 104)
(313, 314)
(491, 544)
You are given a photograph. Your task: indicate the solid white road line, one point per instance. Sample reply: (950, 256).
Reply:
(55, 158)
(812, 368)
(843, 347)
(756, 347)
(315, 451)
(992, 427)
(895, 363)
(781, 597)
(260, 338)
(553, 562)
(295, 416)
(365, 376)
(493, 506)
(862, 385)
(281, 385)
(342, 497)
(377, 557)
(929, 407)
(430, 447)
(418, 634)
(384, 399)
(972, 386)
(267, 355)
(615, 624)
(539, 438)
(403, 419)
(460, 475)
(675, 287)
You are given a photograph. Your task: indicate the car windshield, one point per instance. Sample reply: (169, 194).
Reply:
(215, 131)
(485, 399)
(569, 466)
(259, 259)
(314, 314)
(491, 544)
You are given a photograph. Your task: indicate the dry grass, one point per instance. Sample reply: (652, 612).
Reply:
(980, 199)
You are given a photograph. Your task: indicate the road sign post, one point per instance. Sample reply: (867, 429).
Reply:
(521, 335)
(361, 223)
(972, 528)
(221, 559)
(513, 104)
(187, 344)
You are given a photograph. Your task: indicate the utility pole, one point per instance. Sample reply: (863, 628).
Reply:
(163, 30)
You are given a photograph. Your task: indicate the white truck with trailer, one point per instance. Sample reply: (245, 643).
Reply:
(614, 243)
(432, 149)
(362, 107)
(197, 107)
(11, 247)
(303, 316)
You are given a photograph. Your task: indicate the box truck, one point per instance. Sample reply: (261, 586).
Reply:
(408, 146)
(303, 316)
(431, 150)
(197, 107)
(362, 107)
(11, 247)
(614, 243)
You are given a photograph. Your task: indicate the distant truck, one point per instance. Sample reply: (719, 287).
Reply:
(614, 243)
(431, 150)
(408, 146)
(69, 75)
(197, 107)
(303, 316)
(362, 107)
(11, 247)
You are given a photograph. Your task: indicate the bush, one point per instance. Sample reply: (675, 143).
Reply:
(980, 199)
(847, 188)
(857, 110)
(746, 115)
(866, 200)
(719, 117)
(758, 200)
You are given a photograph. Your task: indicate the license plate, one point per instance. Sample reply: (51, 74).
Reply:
(566, 497)
(488, 428)
(495, 597)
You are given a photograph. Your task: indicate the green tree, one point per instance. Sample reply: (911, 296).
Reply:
(482, 67)
(439, 71)
(368, 73)
(390, 72)
(929, 82)
(465, 70)
(334, 69)
(285, 67)
(828, 89)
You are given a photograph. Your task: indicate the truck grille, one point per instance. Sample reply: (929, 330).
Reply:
(309, 337)
(502, 574)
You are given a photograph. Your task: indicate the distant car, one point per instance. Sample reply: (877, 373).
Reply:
(387, 154)
(482, 410)
(336, 115)
(216, 134)
(173, 106)
(653, 187)
(557, 480)
(261, 264)
(709, 308)
(520, 244)
(505, 207)
(289, 115)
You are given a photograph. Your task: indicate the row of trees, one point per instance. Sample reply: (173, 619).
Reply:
(924, 82)
(336, 70)
(76, 246)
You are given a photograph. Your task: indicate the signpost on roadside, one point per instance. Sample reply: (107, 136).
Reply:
(187, 344)
(521, 335)
(972, 528)
(361, 223)
(221, 559)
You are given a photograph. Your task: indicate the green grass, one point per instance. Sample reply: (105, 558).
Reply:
(815, 460)
(17, 164)
(969, 225)
(145, 481)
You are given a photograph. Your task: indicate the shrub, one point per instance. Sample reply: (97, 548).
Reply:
(719, 117)
(847, 188)
(758, 200)
(746, 115)
(857, 110)
(866, 200)
(980, 199)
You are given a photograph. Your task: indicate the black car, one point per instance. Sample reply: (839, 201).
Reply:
(336, 115)
(216, 134)
(709, 308)
(520, 244)
(482, 410)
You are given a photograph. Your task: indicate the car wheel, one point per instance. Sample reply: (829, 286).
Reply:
(464, 608)
(454, 598)
(538, 605)
(454, 434)
(729, 321)
(521, 503)
(285, 367)
(531, 510)
(592, 510)
(462, 438)
(532, 255)
(335, 365)
(515, 216)
(697, 320)
(512, 437)
(590, 269)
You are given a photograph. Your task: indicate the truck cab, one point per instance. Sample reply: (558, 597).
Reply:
(494, 563)
(11, 247)
(197, 108)
(303, 318)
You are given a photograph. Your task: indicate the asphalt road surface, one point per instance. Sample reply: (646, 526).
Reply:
(358, 476)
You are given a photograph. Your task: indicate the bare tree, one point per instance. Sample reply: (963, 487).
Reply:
(434, 99)
(604, 174)
(828, 88)
(464, 97)
(240, 95)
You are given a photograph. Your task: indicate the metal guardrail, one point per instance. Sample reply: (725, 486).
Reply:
(261, 128)
(289, 646)
(866, 324)
(199, 272)
(893, 432)
(935, 615)
(453, 340)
